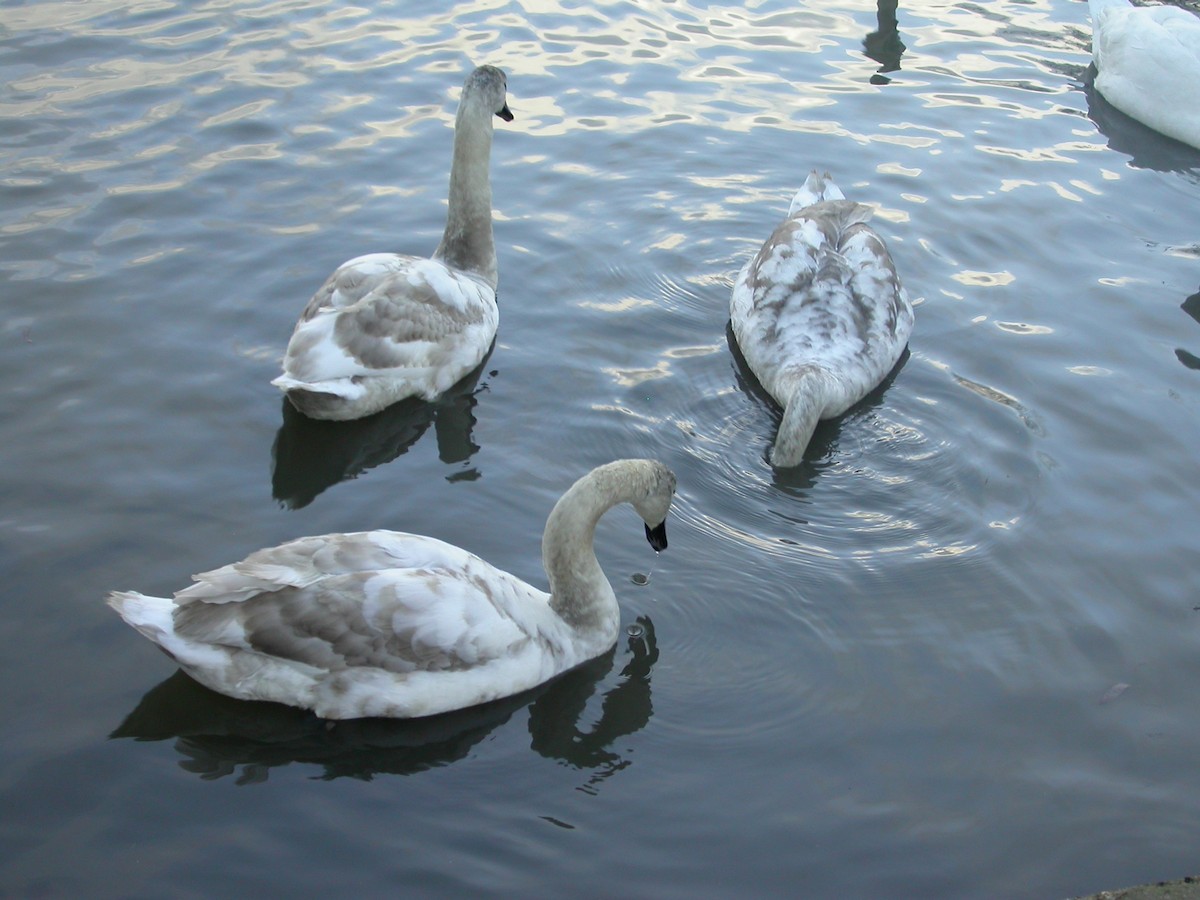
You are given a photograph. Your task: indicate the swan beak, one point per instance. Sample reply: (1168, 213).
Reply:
(657, 536)
(505, 113)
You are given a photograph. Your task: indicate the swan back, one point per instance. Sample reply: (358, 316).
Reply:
(1148, 64)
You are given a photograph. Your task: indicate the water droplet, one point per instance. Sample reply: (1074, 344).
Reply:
(639, 578)
(636, 630)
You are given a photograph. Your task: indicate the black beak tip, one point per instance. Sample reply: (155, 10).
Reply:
(657, 536)
(505, 113)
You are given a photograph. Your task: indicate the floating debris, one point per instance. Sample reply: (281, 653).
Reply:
(1114, 692)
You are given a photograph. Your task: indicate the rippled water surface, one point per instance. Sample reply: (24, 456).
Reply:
(954, 654)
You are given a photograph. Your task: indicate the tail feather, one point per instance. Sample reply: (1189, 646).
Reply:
(817, 189)
(149, 615)
(340, 387)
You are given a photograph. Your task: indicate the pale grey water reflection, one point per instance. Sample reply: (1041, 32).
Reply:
(891, 672)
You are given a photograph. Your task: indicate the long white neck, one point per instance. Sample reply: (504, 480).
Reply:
(579, 591)
(467, 243)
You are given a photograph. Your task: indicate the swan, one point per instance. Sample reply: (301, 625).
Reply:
(819, 313)
(383, 623)
(387, 326)
(1148, 65)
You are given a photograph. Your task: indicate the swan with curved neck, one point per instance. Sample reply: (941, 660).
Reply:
(819, 313)
(384, 623)
(387, 326)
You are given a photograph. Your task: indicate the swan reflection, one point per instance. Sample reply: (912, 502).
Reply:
(883, 44)
(1191, 306)
(218, 737)
(310, 455)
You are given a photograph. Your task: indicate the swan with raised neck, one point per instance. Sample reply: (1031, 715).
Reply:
(387, 326)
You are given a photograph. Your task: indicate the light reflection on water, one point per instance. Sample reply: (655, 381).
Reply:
(880, 673)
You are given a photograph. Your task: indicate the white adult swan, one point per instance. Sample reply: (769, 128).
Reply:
(1148, 64)
(386, 326)
(819, 313)
(382, 623)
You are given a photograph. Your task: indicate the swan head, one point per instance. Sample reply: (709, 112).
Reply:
(487, 85)
(655, 503)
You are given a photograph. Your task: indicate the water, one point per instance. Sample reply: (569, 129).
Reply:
(952, 655)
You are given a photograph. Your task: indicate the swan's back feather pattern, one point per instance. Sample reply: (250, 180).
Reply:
(820, 311)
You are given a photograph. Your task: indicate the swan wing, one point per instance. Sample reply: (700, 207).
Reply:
(382, 600)
(382, 314)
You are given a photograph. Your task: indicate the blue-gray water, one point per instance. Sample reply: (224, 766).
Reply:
(953, 655)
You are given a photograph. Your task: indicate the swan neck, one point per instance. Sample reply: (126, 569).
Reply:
(804, 400)
(467, 243)
(579, 590)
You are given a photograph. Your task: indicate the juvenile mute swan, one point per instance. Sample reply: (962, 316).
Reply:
(382, 623)
(385, 326)
(819, 313)
(1148, 64)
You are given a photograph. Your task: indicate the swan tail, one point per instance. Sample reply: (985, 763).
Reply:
(337, 399)
(817, 189)
(151, 616)
(342, 387)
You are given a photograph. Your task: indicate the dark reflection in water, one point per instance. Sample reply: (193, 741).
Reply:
(625, 709)
(309, 456)
(883, 44)
(1191, 306)
(217, 735)
(1145, 147)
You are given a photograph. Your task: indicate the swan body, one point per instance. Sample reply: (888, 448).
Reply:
(819, 313)
(383, 623)
(1148, 65)
(385, 326)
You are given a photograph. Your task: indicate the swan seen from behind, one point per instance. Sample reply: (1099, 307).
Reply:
(384, 623)
(1148, 65)
(819, 313)
(386, 326)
